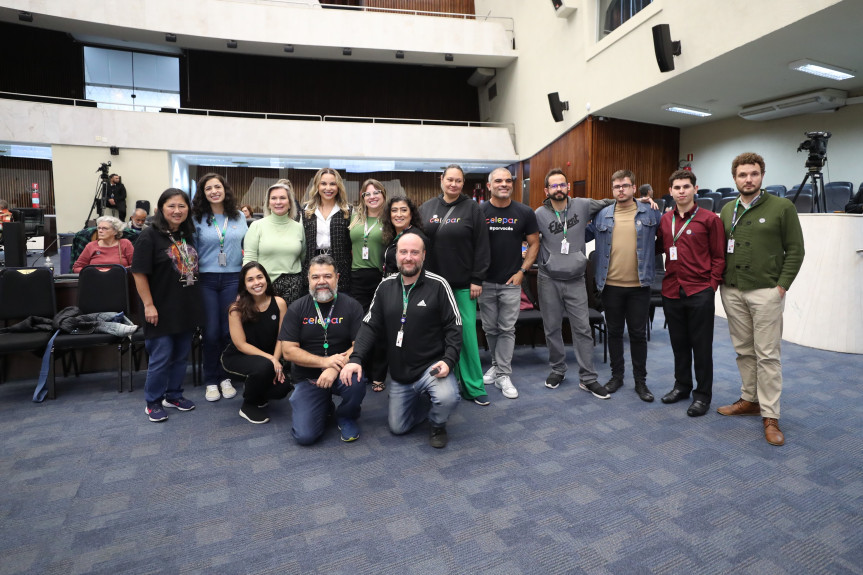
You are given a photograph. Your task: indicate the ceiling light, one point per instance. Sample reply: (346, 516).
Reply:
(448, 57)
(25, 16)
(400, 54)
(690, 110)
(289, 48)
(347, 51)
(822, 70)
(170, 37)
(232, 44)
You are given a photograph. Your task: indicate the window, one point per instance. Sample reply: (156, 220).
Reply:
(613, 13)
(122, 80)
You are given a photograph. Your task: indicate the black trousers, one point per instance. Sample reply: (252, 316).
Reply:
(690, 329)
(364, 282)
(259, 374)
(629, 305)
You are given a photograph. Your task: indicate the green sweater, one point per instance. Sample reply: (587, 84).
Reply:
(276, 242)
(768, 244)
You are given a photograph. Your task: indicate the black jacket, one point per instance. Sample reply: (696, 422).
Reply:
(459, 247)
(432, 329)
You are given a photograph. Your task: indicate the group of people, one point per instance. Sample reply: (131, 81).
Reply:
(386, 294)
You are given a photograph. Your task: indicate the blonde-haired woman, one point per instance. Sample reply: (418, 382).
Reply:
(325, 220)
(110, 247)
(277, 242)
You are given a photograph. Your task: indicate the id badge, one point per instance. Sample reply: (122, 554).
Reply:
(365, 252)
(564, 247)
(399, 337)
(730, 248)
(223, 259)
(672, 253)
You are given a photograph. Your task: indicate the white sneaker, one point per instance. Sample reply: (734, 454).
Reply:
(504, 384)
(212, 393)
(489, 376)
(228, 390)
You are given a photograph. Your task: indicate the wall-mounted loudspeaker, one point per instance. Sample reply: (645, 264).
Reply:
(563, 8)
(115, 151)
(664, 47)
(557, 107)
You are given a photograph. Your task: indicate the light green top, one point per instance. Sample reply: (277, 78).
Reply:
(276, 242)
(374, 241)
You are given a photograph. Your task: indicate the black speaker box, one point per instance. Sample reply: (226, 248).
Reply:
(663, 46)
(15, 244)
(557, 107)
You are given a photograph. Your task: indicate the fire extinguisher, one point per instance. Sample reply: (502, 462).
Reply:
(34, 194)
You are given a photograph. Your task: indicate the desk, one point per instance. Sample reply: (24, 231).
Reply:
(824, 307)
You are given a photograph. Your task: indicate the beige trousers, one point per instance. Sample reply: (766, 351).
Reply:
(755, 326)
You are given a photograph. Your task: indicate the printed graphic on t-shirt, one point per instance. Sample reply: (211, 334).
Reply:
(556, 227)
(184, 264)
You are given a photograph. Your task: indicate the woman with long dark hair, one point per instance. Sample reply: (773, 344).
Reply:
(325, 219)
(400, 217)
(255, 351)
(165, 269)
(220, 228)
(460, 253)
(278, 242)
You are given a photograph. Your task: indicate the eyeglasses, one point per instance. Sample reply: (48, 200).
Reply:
(557, 186)
(104, 229)
(372, 193)
(619, 187)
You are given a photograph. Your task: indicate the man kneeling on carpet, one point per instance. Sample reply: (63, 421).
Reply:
(415, 312)
(317, 338)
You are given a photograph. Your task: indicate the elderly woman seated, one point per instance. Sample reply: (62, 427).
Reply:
(110, 247)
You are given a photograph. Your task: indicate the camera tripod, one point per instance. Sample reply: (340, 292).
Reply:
(819, 201)
(99, 197)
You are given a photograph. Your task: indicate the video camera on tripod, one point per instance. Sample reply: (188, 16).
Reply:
(101, 194)
(816, 145)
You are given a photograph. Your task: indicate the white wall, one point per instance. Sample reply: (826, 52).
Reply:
(146, 174)
(563, 55)
(715, 145)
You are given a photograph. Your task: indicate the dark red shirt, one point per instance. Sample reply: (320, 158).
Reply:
(700, 252)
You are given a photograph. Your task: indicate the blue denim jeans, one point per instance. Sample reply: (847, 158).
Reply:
(166, 368)
(218, 291)
(429, 396)
(311, 404)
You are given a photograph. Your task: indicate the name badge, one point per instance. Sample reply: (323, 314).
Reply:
(365, 252)
(730, 248)
(672, 253)
(564, 247)
(399, 337)
(223, 259)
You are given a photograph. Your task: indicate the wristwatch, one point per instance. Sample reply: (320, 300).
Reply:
(522, 270)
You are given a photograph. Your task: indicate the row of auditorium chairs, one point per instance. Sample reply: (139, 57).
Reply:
(836, 195)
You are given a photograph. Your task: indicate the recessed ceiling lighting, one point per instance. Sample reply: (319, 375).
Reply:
(689, 110)
(822, 70)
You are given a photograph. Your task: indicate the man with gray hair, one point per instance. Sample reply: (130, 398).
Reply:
(509, 224)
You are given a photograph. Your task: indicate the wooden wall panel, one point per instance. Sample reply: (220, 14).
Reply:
(570, 148)
(447, 6)
(36, 61)
(16, 177)
(218, 81)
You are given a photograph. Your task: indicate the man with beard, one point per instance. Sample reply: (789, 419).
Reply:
(416, 314)
(116, 199)
(763, 253)
(317, 338)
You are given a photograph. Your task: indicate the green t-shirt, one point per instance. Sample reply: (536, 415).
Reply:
(370, 236)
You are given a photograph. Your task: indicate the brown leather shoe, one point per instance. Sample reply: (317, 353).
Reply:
(772, 433)
(740, 407)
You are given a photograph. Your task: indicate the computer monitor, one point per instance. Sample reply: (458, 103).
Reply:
(32, 218)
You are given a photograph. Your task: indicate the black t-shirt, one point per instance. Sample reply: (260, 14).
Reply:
(178, 305)
(507, 229)
(301, 325)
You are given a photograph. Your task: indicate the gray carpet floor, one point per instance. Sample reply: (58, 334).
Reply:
(555, 481)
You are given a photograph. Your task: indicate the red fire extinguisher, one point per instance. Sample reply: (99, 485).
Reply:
(34, 194)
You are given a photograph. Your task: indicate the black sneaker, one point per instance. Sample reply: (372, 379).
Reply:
(553, 380)
(594, 388)
(643, 392)
(253, 413)
(438, 437)
(613, 385)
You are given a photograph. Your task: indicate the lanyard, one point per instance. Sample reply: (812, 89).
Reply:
(405, 296)
(325, 324)
(222, 232)
(734, 218)
(563, 223)
(367, 230)
(677, 235)
(183, 251)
